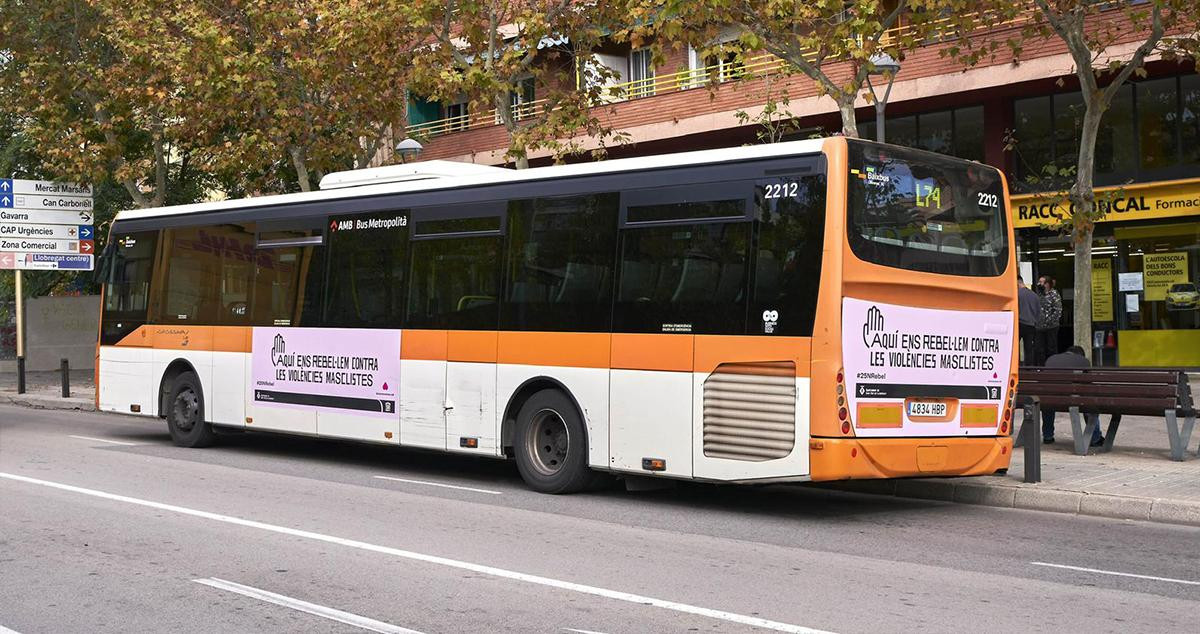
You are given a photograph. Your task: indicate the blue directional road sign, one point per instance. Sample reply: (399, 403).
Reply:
(85, 232)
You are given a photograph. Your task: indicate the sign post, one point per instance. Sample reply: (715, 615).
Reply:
(44, 225)
(20, 335)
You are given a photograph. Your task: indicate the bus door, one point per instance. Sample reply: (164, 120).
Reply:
(453, 287)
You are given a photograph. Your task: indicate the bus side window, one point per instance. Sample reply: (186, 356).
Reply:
(787, 264)
(684, 278)
(287, 273)
(454, 281)
(368, 260)
(208, 275)
(559, 274)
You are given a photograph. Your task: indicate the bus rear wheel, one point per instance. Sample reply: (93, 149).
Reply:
(185, 413)
(551, 445)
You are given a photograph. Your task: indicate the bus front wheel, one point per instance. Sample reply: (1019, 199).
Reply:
(551, 444)
(185, 413)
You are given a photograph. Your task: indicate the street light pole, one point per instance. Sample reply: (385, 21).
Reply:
(886, 66)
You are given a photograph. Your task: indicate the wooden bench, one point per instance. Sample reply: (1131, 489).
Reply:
(1113, 391)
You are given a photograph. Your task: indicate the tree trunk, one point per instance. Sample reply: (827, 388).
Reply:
(845, 104)
(297, 155)
(1083, 200)
(516, 146)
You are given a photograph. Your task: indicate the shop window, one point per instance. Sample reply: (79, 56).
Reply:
(1067, 117)
(901, 131)
(1117, 140)
(1034, 137)
(559, 274)
(957, 132)
(968, 133)
(1151, 131)
(935, 132)
(1160, 324)
(1158, 112)
(1189, 120)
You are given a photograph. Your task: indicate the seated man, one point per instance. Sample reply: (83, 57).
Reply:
(1072, 358)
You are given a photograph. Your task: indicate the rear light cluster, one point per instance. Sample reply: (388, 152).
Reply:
(843, 411)
(1009, 404)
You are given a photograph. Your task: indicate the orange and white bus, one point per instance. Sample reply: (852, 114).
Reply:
(813, 310)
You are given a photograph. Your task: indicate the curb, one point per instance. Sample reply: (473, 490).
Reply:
(39, 401)
(1032, 498)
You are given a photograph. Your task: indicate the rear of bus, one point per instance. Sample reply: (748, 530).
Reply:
(914, 369)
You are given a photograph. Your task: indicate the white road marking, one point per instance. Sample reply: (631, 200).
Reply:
(628, 597)
(5, 630)
(1116, 574)
(111, 442)
(304, 606)
(571, 629)
(438, 484)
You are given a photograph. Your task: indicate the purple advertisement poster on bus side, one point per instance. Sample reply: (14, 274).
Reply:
(349, 370)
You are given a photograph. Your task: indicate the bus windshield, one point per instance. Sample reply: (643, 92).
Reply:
(919, 211)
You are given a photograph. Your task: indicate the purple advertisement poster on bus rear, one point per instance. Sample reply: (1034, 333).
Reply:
(343, 369)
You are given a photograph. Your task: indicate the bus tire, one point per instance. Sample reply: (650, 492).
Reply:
(551, 445)
(185, 413)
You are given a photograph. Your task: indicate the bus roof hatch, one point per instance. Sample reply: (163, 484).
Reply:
(405, 172)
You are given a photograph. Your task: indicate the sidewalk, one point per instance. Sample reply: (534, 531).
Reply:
(1137, 480)
(43, 390)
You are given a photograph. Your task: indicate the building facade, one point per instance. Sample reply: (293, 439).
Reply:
(1021, 117)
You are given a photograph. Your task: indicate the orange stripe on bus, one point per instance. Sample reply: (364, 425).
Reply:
(713, 350)
(562, 349)
(478, 346)
(652, 352)
(425, 345)
(231, 339)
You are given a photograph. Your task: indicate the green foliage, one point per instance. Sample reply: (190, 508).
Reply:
(483, 51)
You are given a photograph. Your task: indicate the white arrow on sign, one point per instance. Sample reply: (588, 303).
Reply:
(37, 217)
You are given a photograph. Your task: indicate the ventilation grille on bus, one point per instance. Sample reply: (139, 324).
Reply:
(750, 411)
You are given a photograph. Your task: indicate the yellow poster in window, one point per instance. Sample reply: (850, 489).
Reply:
(1102, 290)
(1161, 270)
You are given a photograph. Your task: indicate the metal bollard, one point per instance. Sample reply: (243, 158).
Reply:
(65, 367)
(1032, 426)
(20, 375)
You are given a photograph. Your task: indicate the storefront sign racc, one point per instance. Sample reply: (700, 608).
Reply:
(1132, 202)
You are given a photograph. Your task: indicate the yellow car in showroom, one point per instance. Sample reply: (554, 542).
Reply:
(1183, 296)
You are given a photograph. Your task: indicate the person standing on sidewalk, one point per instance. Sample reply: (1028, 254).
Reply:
(1049, 315)
(1072, 358)
(1028, 305)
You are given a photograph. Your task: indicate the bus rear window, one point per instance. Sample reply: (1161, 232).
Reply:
(919, 211)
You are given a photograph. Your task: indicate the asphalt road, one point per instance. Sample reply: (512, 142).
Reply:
(107, 527)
